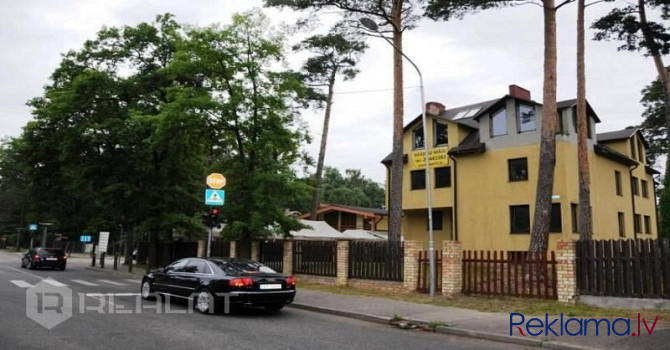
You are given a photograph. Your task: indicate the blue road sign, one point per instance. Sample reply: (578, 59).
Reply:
(85, 238)
(215, 197)
(32, 227)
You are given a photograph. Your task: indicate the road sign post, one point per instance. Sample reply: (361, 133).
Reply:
(214, 196)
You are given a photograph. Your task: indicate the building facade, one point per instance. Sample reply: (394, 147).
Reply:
(484, 161)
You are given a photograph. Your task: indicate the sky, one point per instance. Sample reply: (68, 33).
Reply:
(462, 62)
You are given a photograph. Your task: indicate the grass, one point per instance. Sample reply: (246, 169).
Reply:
(500, 304)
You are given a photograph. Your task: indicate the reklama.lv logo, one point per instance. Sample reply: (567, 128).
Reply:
(575, 326)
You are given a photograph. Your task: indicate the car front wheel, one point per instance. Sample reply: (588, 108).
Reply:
(147, 290)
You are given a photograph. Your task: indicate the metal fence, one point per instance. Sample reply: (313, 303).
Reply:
(220, 249)
(375, 260)
(272, 254)
(624, 268)
(315, 258)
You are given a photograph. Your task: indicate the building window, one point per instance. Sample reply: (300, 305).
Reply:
(637, 225)
(526, 118)
(617, 180)
(437, 221)
(640, 152)
(556, 224)
(418, 179)
(520, 218)
(574, 122)
(518, 169)
(443, 177)
(417, 136)
(574, 211)
(645, 189)
(633, 186)
(647, 224)
(622, 225)
(441, 134)
(499, 123)
(560, 128)
(632, 148)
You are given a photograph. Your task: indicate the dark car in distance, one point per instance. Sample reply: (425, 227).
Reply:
(44, 257)
(211, 282)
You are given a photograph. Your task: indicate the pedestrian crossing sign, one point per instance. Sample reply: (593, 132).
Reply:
(215, 197)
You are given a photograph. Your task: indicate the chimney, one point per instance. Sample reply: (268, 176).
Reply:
(434, 108)
(519, 92)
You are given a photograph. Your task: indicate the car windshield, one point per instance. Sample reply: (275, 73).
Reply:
(235, 267)
(53, 251)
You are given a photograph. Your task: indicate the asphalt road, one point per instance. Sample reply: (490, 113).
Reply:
(123, 321)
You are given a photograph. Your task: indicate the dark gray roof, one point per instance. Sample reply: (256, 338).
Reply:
(610, 153)
(616, 135)
(379, 211)
(573, 103)
(469, 145)
(389, 159)
(449, 114)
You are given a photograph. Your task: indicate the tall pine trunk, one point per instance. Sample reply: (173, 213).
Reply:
(582, 133)
(395, 200)
(316, 198)
(539, 235)
(665, 80)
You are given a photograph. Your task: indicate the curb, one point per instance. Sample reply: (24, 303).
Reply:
(549, 344)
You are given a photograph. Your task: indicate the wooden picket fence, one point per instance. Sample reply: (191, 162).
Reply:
(423, 278)
(624, 268)
(520, 274)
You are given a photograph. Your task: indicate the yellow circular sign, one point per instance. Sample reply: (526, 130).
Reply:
(216, 181)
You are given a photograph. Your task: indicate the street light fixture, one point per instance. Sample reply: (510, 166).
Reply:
(372, 26)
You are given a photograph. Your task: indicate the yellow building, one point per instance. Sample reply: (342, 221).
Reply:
(484, 164)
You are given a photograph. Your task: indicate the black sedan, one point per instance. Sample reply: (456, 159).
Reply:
(210, 283)
(44, 257)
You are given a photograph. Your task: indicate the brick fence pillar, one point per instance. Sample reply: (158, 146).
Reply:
(255, 250)
(202, 247)
(288, 258)
(566, 271)
(452, 268)
(410, 264)
(342, 262)
(233, 249)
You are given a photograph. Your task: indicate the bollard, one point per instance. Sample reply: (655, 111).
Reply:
(116, 260)
(102, 260)
(92, 259)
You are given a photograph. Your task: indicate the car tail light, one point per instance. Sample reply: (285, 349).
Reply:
(290, 281)
(242, 282)
(64, 257)
(36, 256)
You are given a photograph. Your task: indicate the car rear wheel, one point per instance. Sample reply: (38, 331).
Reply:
(23, 264)
(147, 290)
(274, 307)
(31, 265)
(204, 302)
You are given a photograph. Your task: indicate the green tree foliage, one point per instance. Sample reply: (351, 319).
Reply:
(654, 127)
(352, 188)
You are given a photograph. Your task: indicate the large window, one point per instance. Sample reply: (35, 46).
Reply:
(574, 210)
(633, 154)
(519, 218)
(418, 179)
(443, 177)
(617, 180)
(640, 152)
(518, 169)
(417, 138)
(647, 224)
(645, 188)
(574, 122)
(437, 220)
(499, 123)
(441, 134)
(633, 186)
(637, 224)
(622, 225)
(556, 223)
(526, 118)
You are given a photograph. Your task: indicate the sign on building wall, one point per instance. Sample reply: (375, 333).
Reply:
(438, 158)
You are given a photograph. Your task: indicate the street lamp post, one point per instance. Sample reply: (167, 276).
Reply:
(371, 25)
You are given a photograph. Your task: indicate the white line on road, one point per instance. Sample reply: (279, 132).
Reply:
(85, 283)
(21, 283)
(131, 280)
(114, 283)
(100, 295)
(53, 282)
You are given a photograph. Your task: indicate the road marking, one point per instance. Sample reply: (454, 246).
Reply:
(114, 283)
(53, 282)
(132, 280)
(21, 283)
(102, 295)
(85, 283)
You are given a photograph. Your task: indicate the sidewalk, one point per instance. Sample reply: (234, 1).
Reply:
(485, 325)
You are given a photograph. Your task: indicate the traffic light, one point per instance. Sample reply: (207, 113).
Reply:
(211, 219)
